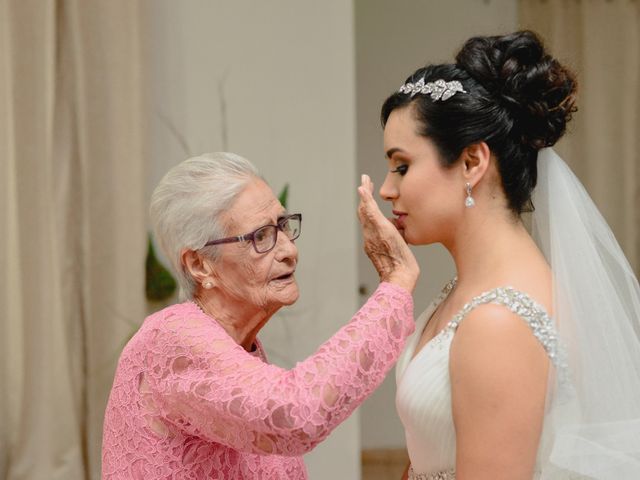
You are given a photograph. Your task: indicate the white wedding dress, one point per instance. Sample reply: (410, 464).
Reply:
(423, 396)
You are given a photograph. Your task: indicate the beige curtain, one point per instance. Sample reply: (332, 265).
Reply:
(600, 39)
(72, 225)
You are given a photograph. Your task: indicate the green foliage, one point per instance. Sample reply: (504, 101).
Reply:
(284, 195)
(159, 283)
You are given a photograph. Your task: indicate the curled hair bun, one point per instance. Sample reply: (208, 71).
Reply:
(537, 91)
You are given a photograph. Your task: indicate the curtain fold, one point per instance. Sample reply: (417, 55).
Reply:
(600, 40)
(72, 225)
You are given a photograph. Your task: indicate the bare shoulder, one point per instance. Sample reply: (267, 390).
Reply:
(499, 373)
(492, 341)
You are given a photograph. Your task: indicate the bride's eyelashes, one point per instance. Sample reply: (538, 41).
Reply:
(401, 169)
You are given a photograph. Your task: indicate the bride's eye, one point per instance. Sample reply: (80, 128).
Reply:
(401, 169)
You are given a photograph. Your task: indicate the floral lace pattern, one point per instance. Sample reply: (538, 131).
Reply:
(189, 403)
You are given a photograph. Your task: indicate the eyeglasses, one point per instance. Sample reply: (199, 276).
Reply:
(265, 237)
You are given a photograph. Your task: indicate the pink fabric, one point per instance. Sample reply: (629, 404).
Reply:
(188, 402)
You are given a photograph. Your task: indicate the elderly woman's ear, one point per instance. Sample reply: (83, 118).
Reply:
(199, 267)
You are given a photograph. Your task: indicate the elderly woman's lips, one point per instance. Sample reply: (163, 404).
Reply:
(286, 276)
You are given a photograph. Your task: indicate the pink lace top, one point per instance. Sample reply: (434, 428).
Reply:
(188, 402)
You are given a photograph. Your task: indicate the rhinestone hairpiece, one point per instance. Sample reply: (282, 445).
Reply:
(439, 90)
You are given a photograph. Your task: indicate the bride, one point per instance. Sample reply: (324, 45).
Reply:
(528, 363)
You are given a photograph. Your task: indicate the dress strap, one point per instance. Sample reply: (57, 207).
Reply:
(448, 287)
(526, 308)
(444, 293)
(443, 475)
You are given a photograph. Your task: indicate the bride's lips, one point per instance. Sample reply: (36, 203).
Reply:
(399, 220)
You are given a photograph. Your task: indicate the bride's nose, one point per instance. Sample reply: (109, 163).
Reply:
(388, 190)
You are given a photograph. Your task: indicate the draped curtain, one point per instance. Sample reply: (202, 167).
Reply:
(600, 40)
(72, 225)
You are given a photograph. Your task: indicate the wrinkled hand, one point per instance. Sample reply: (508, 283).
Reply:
(383, 243)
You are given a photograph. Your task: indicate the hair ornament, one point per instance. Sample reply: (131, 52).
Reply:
(439, 90)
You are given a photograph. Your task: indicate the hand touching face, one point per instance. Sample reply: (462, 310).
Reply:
(383, 243)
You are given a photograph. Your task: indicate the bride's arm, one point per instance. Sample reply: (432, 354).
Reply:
(499, 374)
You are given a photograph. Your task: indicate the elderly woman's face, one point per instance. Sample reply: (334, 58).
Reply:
(258, 280)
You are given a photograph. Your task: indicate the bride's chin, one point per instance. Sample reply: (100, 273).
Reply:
(409, 238)
(418, 240)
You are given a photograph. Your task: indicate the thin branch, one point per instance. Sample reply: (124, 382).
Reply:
(173, 130)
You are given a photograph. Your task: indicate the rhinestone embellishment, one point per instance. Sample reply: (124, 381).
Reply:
(444, 475)
(439, 90)
(522, 305)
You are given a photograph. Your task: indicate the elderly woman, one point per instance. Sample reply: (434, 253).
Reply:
(194, 396)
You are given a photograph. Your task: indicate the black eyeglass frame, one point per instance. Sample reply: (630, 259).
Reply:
(251, 235)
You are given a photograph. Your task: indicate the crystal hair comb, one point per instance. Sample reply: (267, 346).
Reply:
(439, 90)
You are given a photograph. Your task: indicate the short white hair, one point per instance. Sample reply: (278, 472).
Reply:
(187, 203)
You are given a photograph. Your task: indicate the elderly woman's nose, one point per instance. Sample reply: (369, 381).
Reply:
(285, 248)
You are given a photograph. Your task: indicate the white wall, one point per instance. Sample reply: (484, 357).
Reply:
(393, 39)
(285, 72)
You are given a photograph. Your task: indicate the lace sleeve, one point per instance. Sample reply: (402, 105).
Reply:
(207, 385)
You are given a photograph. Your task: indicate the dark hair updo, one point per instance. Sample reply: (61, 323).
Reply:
(519, 100)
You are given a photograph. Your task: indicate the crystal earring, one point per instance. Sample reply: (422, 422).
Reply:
(207, 285)
(469, 201)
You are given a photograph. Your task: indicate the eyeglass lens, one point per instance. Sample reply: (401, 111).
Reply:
(265, 238)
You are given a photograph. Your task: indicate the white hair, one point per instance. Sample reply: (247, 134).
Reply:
(187, 203)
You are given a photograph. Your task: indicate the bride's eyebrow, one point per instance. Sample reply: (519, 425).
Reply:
(394, 150)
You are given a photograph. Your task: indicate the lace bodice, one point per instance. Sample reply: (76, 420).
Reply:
(423, 396)
(188, 402)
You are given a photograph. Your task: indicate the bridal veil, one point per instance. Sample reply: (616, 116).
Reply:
(592, 428)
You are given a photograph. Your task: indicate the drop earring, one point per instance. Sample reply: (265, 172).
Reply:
(469, 201)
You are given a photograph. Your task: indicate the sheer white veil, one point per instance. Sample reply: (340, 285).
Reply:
(592, 428)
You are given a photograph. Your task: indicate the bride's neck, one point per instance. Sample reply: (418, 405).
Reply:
(485, 246)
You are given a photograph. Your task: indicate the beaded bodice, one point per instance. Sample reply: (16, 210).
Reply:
(423, 396)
